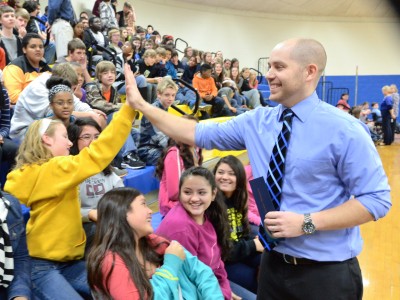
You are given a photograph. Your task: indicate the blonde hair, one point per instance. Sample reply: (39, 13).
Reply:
(166, 83)
(104, 66)
(23, 13)
(112, 31)
(386, 88)
(149, 53)
(393, 86)
(162, 52)
(32, 149)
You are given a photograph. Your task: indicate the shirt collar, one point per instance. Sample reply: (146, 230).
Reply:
(302, 109)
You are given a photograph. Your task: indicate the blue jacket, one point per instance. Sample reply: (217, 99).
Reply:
(21, 284)
(196, 280)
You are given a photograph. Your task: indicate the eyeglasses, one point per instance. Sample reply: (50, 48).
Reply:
(64, 103)
(89, 137)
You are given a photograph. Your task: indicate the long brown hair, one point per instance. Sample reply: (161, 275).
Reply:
(239, 198)
(185, 153)
(216, 213)
(115, 236)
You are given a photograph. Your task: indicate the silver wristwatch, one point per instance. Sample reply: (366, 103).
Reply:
(308, 225)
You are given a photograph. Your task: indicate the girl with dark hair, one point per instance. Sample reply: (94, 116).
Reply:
(176, 158)
(126, 254)
(200, 222)
(244, 260)
(82, 133)
(61, 99)
(218, 74)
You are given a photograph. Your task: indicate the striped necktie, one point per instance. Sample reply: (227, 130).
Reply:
(276, 168)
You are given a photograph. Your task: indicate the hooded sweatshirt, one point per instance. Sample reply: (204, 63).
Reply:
(54, 230)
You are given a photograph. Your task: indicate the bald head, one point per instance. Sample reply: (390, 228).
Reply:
(306, 52)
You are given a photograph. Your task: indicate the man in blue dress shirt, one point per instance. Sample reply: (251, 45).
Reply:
(327, 190)
(60, 16)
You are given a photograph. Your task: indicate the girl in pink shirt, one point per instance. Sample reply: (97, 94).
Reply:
(176, 158)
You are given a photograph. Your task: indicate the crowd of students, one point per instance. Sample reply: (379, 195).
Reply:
(64, 113)
(88, 236)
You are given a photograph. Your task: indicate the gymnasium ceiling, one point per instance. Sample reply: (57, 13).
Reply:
(317, 8)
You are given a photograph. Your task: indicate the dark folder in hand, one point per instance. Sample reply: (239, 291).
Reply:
(264, 204)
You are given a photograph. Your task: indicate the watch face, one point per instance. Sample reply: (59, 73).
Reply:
(308, 228)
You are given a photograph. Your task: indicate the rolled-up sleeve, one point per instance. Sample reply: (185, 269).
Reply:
(362, 172)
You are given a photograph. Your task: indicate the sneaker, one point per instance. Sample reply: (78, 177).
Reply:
(132, 161)
(120, 172)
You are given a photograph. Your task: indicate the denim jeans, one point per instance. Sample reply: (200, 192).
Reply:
(60, 280)
(242, 292)
(129, 145)
(245, 272)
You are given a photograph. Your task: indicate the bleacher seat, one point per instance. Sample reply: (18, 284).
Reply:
(143, 180)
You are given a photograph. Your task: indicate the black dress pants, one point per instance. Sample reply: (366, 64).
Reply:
(280, 280)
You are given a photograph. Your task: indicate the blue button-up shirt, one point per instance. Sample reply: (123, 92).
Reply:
(60, 9)
(330, 158)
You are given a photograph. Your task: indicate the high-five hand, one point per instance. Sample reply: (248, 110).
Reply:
(133, 97)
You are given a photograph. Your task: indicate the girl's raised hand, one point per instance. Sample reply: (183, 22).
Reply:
(176, 249)
(133, 97)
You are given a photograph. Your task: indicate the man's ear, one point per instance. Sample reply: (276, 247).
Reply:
(312, 71)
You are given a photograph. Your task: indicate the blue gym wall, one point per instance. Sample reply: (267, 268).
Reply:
(369, 86)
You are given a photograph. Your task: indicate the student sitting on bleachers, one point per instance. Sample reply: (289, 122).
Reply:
(191, 68)
(205, 85)
(33, 103)
(61, 100)
(77, 53)
(244, 260)
(24, 69)
(231, 107)
(9, 41)
(82, 133)
(15, 266)
(94, 37)
(128, 261)
(376, 113)
(175, 159)
(50, 177)
(145, 67)
(218, 74)
(342, 103)
(103, 96)
(100, 93)
(187, 54)
(152, 141)
(243, 85)
(202, 229)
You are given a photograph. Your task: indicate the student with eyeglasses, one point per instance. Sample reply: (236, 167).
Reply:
(61, 99)
(82, 133)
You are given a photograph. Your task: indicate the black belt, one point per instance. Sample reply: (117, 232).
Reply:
(291, 260)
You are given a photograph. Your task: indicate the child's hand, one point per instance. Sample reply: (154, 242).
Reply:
(233, 109)
(176, 249)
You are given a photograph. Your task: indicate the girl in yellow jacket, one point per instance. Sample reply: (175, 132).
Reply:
(46, 179)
